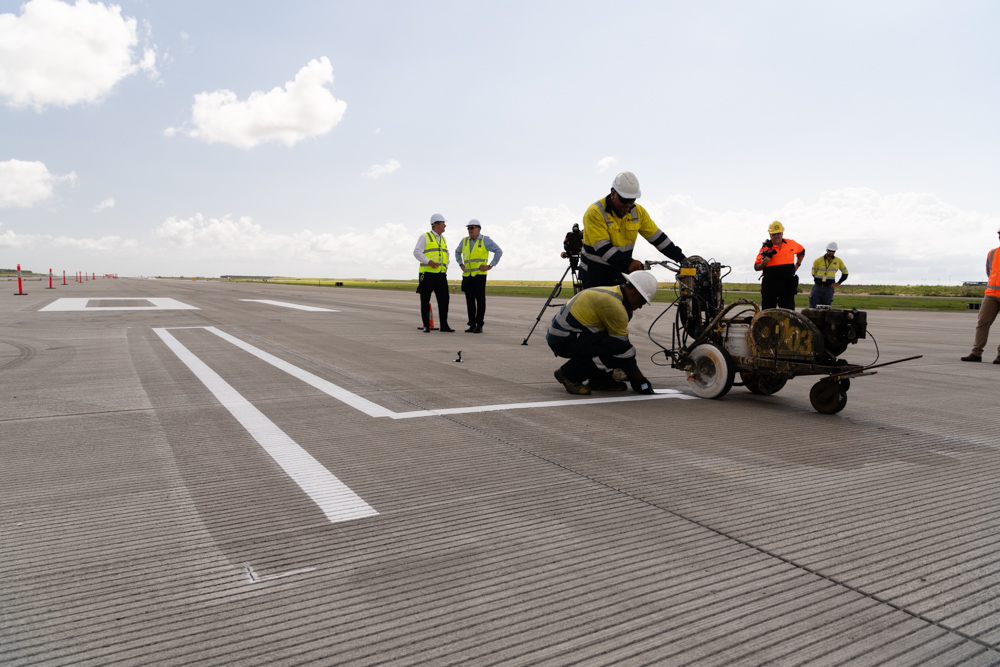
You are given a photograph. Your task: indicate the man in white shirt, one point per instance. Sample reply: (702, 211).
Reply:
(432, 253)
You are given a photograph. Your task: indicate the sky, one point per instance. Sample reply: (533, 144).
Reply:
(316, 139)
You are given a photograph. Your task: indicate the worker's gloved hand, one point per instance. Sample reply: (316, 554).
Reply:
(635, 265)
(640, 385)
(674, 253)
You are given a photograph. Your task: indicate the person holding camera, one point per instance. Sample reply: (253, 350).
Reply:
(473, 255)
(778, 260)
(591, 331)
(610, 228)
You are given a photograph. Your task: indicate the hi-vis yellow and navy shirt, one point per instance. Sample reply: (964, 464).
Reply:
(608, 240)
(825, 270)
(596, 310)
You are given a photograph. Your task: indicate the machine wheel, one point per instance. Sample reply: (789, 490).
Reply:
(761, 383)
(828, 397)
(713, 371)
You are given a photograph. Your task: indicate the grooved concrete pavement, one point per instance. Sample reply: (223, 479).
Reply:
(142, 523)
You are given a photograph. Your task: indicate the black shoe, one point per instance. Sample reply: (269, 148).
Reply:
(471, 329)
(972, 357)
(447, 329)
(997, 360)
(576, 388)
(478, 329)
(427, 329)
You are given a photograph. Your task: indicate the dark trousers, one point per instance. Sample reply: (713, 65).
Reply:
(581, 350)
(475, 298)
(436, 283)
(778, 292)
(821, 295)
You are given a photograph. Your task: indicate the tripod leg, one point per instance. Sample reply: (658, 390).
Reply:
(554, 294)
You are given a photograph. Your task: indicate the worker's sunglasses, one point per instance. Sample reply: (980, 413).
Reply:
(627, 202)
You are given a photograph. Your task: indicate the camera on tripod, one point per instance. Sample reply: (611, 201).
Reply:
(573, 246)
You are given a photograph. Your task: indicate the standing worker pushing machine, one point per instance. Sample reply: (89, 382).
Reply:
(779, 258)
(610, 228)
(591, 330)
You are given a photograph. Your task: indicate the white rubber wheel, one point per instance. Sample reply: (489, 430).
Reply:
(713, 372)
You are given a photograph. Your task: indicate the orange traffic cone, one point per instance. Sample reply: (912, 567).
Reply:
(430, 309)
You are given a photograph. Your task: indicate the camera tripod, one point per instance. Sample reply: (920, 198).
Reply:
(573, 269)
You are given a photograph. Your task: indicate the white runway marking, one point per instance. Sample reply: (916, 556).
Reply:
(81, 304)
(336, 500)
(375, 410)
(293, 305)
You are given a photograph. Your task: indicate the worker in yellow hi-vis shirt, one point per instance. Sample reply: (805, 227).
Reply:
(825, 277)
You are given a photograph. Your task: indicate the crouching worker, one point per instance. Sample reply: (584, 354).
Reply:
(591, 330)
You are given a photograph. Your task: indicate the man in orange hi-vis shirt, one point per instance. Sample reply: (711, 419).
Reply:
(779, 258)
(989, 308)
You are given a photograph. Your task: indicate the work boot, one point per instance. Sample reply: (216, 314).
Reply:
(972, 357)
(575, 388)
(447, 329)
(478, 329)
(997, 360)
(605, 382)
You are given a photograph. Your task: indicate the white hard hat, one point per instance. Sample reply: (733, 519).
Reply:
(473, 223)
(644, 282)
(436, 218)
(627, 185)
(832, 245)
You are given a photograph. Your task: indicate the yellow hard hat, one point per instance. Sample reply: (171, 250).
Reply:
(776, 228)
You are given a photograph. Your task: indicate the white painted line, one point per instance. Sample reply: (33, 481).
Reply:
(334, 498)
(661, 393)
(375, 410)
(80, 304)
(314, 309)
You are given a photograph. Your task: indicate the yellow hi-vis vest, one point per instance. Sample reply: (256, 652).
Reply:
(475, 256)
(435, 251)
(993, 271)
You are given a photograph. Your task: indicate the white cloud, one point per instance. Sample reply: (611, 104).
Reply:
(901, 238)
(24, 184)
(107, 203)
(303, 108)
(883, 239)
(377, 170)
(55, 54)
(245, 241)
(606, 163)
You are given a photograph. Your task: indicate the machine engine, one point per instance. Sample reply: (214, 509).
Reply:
(813, 335)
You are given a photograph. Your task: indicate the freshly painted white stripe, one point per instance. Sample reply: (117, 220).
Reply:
(293, 305)
(80, 304)
(334, 498)
(325, 386)
(375, 410)
(661, 393)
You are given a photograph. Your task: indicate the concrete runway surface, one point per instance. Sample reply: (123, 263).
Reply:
(197, 472)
